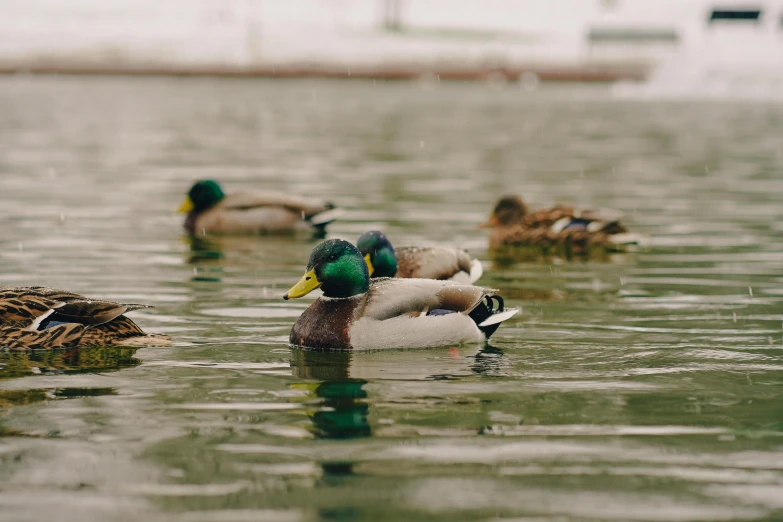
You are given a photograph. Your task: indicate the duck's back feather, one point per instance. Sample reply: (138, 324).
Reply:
(39, 317)
(300, 205)
(432, 262)
(391, 297)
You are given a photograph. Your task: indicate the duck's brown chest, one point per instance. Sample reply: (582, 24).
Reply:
(325, 324)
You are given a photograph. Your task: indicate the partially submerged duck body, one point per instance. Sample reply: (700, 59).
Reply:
(359, 314)
(44, 318)
(210, 211)
(423, 262)
(560, 228)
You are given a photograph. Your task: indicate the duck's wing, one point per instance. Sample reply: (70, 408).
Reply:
(394, 297)
(245, 200)
(546, 217)
(417, 313)
(26, 305)
(40, 317)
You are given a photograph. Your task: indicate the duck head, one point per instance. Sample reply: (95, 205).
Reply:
(202, 196)
(508, 211)
(337, 268)
(378, 253)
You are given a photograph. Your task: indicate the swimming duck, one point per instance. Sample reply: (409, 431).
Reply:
(513, 226)
(360, 314)
(210, 210)
(36, 317)
(431, 262)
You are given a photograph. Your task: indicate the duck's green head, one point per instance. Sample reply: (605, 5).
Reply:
(335, 266)
(508, 211)
(202, 196)
(378, 253)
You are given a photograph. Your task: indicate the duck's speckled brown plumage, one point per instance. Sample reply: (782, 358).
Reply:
(25, 312)
(513, 226)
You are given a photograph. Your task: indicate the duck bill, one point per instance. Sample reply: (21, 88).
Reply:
(493, 222)
(186, 206)
(307, 284)
(369, 264)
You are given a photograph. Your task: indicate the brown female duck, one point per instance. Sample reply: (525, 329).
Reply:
(36, 317)
(514, 226)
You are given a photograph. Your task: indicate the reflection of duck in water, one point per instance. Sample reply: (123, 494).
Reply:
(15, 364)
(43, 318)
(210, 210)
(356, 313)
(342, 413)
(560, 227)
(79, 360)
(427, 262)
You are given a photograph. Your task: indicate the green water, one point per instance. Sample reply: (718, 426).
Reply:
(644, 386)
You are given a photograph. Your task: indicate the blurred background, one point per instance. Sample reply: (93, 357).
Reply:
(643, 385)
(593, 40)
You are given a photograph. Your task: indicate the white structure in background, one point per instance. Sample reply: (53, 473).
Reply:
(256, 34)
(736, 52)
(339, 36)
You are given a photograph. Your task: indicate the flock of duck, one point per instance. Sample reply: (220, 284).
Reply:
(374, 295)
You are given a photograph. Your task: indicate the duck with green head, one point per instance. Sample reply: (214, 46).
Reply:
(425, 262)
(40, 318)
(210, 210)
(362, 314)
(514, 226)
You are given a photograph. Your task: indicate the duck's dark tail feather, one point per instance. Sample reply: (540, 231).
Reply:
(488, 316)
(325, 217)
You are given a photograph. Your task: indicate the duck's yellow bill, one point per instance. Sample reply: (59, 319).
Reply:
(307, 284)
(369, 264)
(186, 206)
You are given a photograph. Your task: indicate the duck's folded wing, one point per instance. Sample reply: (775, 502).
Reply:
(27, 307)
(246, 200)
(91, 312)
(393, 297)
(599, 214)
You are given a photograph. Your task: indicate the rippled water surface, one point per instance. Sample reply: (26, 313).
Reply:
(642, 386)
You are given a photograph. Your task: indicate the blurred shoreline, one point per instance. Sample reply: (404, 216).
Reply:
(528, 75)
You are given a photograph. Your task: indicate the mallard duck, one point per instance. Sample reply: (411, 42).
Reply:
(35, 317)
(210, 210)
(426, 262)
(360, 314)
(560, 225)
